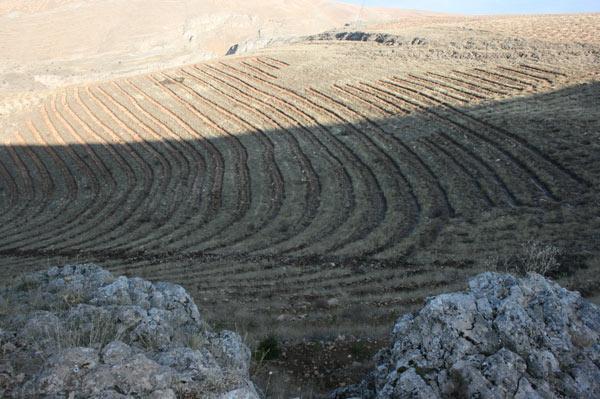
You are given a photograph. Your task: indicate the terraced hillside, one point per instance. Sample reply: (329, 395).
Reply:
(316, 188)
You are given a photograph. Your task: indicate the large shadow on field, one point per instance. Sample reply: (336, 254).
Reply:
(314, 231)
(378, 213)
(357, 189)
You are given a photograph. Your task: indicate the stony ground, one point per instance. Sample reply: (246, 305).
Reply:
(505, 337)
(80, 332)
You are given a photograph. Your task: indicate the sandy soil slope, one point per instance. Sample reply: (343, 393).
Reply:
(579, 28)
(50, 43)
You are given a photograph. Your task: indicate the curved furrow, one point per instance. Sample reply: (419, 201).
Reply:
(306, 285)
(171, 160)
(262, 66)
(223, 275)
(460, 169)
(106, 218)
(351, 94)
(156, 156)
(434, 107)
(543, 70)
(513, 201)
(513, 83)
(360, 292)
(380, 99)
(241, 171)
(375, 95)
(106, 188)
(368, 176)
(257, 283)
(404, 213)
(96, 186)
(468, 87)
(526, 173)
(372, 161)
(436, 87)
(445, 209)
(267, 64)
(18, 205)
(304, 119)
(496, 83)
(216, 266)
(374, 195)
(231, 278)
(28, 190)
(68, 186)
(475, 163)
(255, 276)
(332, 169)
(195, 166)
(463, 95)
(10, 191)
(213, 165)
(306, 172)
(258, 71)
(528, 75)
(149, 267)
(210, 265)
(275, 182)
(65, 198)
(87, 188)
(156, 166)
(276, 61)
(267, 193)
(286, 286)
(72, 186)
(101, 196)
(143, 175)
(519, 142)
(115, 196)
(236, 169)
(13, 216)
(28, 196)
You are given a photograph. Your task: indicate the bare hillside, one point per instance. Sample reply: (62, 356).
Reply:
(50, 43)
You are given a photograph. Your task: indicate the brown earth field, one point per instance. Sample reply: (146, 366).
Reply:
(315, 190)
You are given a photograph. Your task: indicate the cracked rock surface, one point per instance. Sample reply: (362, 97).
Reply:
(505, 337)
(80, 332)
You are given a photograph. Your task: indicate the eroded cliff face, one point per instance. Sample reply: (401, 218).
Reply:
(505, 337)
(79, 330)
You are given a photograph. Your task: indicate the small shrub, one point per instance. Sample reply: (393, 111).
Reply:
(268, 349)
(539, 257)
(533, 256)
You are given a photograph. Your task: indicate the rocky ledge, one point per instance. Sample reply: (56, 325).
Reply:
(80, 332)
(505, 337)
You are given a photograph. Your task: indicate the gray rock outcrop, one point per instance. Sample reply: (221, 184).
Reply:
(79, 332)
(505, 337)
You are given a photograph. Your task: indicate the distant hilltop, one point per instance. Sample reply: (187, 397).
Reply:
(56, 42)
